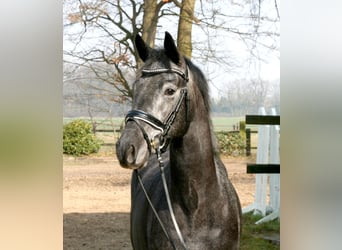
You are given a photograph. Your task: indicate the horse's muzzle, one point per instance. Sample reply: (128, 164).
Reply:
(131, 149)
(126, 155)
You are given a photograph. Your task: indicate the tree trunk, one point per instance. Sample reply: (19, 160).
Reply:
(185, 27)
(150, 20)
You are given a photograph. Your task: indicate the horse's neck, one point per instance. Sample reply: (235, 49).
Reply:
(193, 172)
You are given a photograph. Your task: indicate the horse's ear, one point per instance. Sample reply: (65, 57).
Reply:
(142, 48)
(171, 49)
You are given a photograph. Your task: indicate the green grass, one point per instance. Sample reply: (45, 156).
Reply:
(219, 123)
(225, 123)
(252, 235)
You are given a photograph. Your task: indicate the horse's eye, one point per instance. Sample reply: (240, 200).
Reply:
(169, 92)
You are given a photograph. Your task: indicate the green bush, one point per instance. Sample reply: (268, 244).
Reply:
(231, 143)
(78, 139)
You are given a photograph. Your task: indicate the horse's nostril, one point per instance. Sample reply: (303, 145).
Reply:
(130, 154)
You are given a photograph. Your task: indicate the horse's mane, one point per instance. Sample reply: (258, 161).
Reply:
(201, 82)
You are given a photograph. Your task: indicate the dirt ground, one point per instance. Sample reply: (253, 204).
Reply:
(96, 200)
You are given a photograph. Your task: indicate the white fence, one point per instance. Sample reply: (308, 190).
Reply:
(267, 153)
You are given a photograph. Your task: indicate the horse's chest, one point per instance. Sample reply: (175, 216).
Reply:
(198, 233)
(198, 239)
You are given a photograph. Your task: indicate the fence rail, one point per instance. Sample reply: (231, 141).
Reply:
(263, 119)
(263, 168)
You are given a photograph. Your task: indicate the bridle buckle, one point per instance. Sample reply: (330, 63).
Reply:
(155, 142)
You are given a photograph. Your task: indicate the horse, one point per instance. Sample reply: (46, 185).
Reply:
(169, 129)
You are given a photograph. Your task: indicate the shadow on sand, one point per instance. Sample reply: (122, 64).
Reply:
(96, 231)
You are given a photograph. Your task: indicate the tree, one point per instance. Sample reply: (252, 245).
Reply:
(102, 32)
(151, 16)
(116, 23)
(150, 20)
(186, 18)
(245, 96)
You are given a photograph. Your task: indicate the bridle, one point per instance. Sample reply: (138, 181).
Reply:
(163, 127)
(160, 142)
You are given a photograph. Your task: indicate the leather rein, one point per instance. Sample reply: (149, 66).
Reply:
(160, 143)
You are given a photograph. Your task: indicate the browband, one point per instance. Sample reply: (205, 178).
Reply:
(163, 70)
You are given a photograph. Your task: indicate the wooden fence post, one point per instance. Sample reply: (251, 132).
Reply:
(248, 142)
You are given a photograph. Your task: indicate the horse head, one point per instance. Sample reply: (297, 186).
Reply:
(159, 106)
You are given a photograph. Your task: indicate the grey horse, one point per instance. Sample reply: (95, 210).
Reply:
(171, 109)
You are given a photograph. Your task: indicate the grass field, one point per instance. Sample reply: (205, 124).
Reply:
(225, 123)
(109, 138)
(219, 123)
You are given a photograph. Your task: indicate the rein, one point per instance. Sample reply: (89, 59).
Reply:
(160, 143)
(167, 194)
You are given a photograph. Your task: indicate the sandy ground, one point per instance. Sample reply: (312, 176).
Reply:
(96, 200)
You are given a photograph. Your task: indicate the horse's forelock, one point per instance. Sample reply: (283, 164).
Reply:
(159, 58)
